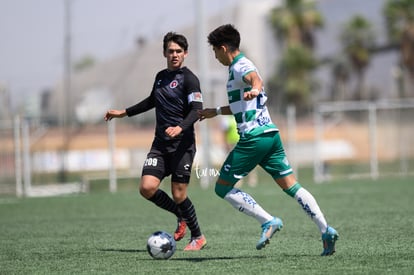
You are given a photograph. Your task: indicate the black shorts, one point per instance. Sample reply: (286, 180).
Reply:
(162, 163)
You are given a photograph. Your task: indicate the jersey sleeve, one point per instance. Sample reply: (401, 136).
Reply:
(245, 68)
(141, 107)
(144, 105)
(192, 86)
(194, 97)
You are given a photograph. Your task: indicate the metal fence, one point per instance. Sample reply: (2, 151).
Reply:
(10, 177)
(357, 139)
(344, 139)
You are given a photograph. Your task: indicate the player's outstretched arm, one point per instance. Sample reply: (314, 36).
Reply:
(110, 114)
(207, 113)
(212, 112)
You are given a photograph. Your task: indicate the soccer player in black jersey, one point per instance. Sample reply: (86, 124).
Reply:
(176, 97)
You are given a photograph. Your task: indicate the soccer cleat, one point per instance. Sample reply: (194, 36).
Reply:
(196, 244)
(180, 230)
(328, 239)
(268, 230)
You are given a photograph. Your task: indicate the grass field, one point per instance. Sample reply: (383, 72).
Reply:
(106, 233)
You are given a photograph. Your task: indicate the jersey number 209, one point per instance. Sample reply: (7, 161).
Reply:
(150, 162)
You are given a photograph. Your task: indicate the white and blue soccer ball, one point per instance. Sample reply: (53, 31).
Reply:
(161, 245)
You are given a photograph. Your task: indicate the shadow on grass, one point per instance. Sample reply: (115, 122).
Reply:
(187, 259)
(122, 250)
(202, 259)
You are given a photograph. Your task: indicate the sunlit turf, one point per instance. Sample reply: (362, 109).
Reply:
(106, 233)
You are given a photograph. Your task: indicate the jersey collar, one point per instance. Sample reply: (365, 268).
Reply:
(179, 70)
(237, 58)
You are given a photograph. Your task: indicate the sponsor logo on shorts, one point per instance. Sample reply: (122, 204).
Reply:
(238, 176)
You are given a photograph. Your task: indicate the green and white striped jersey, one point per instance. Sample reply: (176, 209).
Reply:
(250, 114)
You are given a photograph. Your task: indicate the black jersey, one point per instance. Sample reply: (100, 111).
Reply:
(173, 95)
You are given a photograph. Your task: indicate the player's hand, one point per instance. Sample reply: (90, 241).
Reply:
(250, 94)
(110, 114)
(173, 132)
(207, 113)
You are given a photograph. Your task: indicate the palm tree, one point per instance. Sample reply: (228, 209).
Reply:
(341, 74)
(294, 24)
(358, 38)
(294, 77)
(399, 17)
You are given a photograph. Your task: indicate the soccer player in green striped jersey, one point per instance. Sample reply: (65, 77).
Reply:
(259, 143)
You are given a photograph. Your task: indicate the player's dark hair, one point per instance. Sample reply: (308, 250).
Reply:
(225, 35)
(176, 38)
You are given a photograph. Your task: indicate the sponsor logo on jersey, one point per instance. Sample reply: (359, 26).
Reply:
(244, 69)
(173, 84)
(262, 120)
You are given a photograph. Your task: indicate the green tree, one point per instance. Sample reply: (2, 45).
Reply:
(294, 76)
(399, 20)
(358, 38)
(295, 24)
(341, 75)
